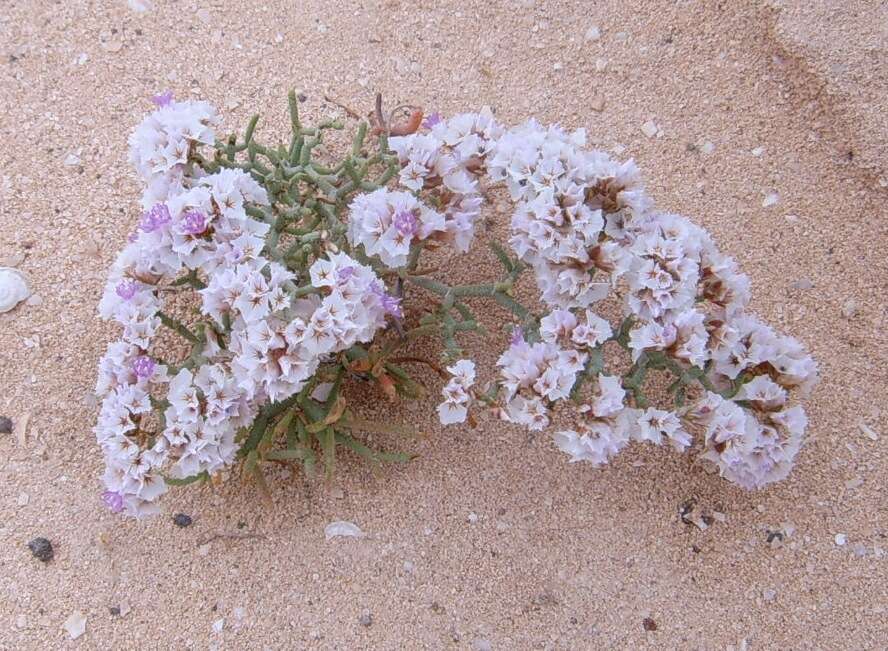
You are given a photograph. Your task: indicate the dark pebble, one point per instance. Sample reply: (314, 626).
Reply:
(649, 624)
(775, 535)
(41, 548)
(182, 520)
(114, 610)
(5, 425)
(366, 619)
(302, 97)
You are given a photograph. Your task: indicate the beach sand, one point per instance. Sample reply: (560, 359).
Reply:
(489, 539)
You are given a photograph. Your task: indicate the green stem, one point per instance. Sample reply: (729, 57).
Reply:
(177, 326)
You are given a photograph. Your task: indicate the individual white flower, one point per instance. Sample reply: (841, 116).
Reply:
(463, 372)
(558, 324)
(650, 336)
(451, 412)
(654, 424)
(610, 396)
(592, 332)
(691, 338)
(763, 391)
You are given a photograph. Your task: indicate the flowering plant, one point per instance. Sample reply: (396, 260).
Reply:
(261, 279)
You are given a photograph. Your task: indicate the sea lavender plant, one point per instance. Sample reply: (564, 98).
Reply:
(292, 275)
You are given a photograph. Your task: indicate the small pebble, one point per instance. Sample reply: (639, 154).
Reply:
(597, 104)
(769, 595)
(366, 618)
(473, 518)
(5, 425)
(218, 625)
(593, 34)
(868, 431)
(802, 284)
(849, 308)
(42, 549)
(115, 611)
(23, 499)
(841, 539)
(771, 199)
(75, 625)
(707, 148)
(758, 151)
(481, 644)
(650, 128)
(182, 520)
(649, 624)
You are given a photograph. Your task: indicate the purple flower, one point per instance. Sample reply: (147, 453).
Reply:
(113, 500)
(195, 222)
(126, 289)
(432, 120)
(344, 274)
(390, 304)
(143, 366)
(517, 336)
(153, 219)
(163, 99)
(405, 223)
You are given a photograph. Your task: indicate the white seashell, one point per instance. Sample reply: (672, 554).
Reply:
(342, 529)
(13, 288)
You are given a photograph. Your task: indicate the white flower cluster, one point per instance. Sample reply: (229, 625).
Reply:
(457, 392)
(585, 226)
(160, 145)
(535, 373)
(609, 426)
(439, 166)
(387, 223)
(261, 344)
(581, 222)
(752, 447)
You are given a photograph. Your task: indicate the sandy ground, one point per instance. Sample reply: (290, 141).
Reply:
(751, 98)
